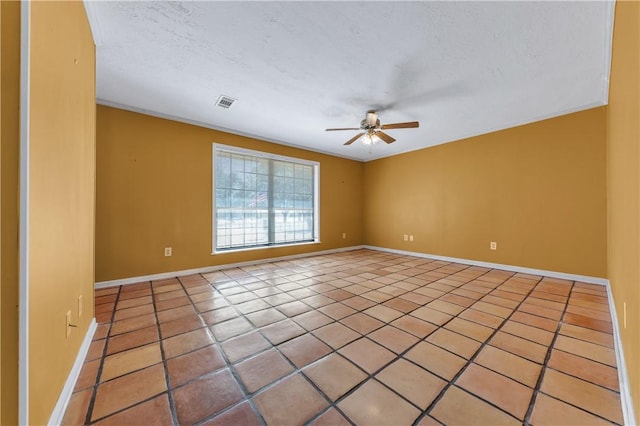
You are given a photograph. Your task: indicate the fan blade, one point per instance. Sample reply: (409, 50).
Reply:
(407, 125)
(353, 139)
(344, 128)
(385, 137)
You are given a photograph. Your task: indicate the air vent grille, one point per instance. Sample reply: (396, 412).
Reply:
(225, 102)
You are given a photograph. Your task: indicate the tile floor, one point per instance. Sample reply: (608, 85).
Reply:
(360, 337)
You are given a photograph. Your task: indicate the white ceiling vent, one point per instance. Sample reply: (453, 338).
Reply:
(225, 102)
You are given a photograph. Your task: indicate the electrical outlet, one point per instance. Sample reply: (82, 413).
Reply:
(168, 251)
(68, 323)
(410, 237)
(79, 306)
(344, 235)
(493, 245)
(406, 237)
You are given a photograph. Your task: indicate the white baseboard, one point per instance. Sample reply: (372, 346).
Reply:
(521, 269)
(67, 390)
(208, 269)
(623, 376)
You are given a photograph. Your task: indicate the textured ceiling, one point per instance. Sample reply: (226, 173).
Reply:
(296, 68)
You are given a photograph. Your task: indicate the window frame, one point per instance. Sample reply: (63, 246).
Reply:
(217, 147)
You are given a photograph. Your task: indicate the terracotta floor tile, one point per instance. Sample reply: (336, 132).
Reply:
(499, 301)
(550, 304)
(527, 332)
(548, 410)
(96, 349)
(175, 313)
(312, 320)
(282, 331)
(591, 313)
(336, 335)
(367, 355)
(194, 364)
(401, 305)
(102, 331)
(228, 329)
(431, 315)
(140, 386)
(362, 323)
(181, 325)
(481, 318)
(133, 294)
(429, 292)
(168, 295)
(414, 326)
(510, 365)
(254, 306)
(454, 342)
(186, 342)
(263, 369)
(133, 312)
(519, 346)
(587, 350)
(109, 298)
(292, 402)
(470, 329)
(76, 412)
(446, 307)
(106, 291)
(584, 395)
(211, 304)
(383, 313)
(265, 317)
(337, 310)
(131, 324)
(334, 375)
(458, 300)
(338, 294)
(499, 390)
(392, 338)
(585, 369)
(490, 308)
(131, 360)
(206, 396)
(428, 421)
(414, 383)
(373, 404)
(133, 339)
(505, 294)
(219, 315)
(458, 407)
(154, 412)
(588, 322)
(245, 345)
(593, 336)
(535, 321)
(241, 414)
(331, 417)
(377, 296)
(88, 375)
(164, 305)
(304, 350)
(358, 303)
(540, 311)
(318, 301)
(435, 359)
(414, 297)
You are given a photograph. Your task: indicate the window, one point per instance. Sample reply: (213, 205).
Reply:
(262, 200)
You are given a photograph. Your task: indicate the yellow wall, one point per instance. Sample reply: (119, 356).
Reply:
(623, 135)
(9, 144)
(62, 190)
(537, 190)
(154, 191)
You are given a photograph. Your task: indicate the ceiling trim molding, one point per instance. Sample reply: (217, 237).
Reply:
(217, 128)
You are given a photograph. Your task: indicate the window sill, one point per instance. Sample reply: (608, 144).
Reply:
(216, 253)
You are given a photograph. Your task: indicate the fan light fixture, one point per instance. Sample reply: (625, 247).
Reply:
(369, 138)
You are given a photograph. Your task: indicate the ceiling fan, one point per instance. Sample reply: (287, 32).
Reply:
(372, 130)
